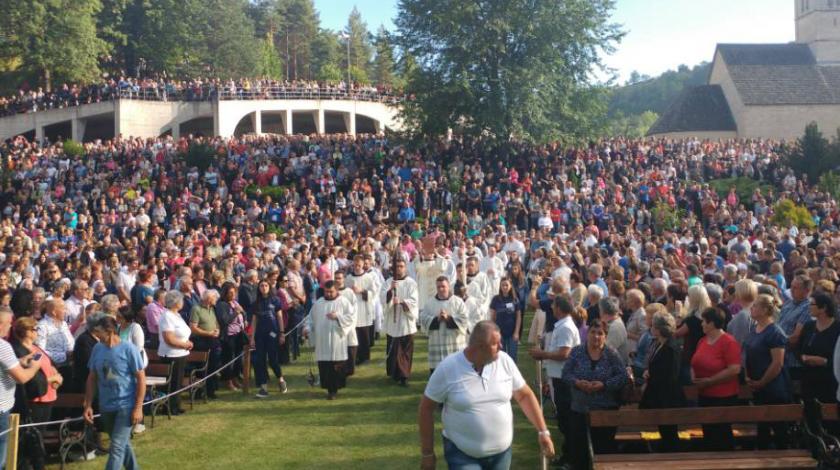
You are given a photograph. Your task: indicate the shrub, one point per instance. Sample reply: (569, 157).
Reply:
(274, 191)
(744, 187)
(830, 183)
(199, 155)
(73, 148)
(786, 213)
(666, 217)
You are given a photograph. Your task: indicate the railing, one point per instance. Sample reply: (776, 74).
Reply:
(256, 93)
(204, 94)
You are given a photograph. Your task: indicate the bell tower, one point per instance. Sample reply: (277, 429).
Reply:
(818, 25)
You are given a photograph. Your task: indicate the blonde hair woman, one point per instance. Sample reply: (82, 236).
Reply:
(746, 291)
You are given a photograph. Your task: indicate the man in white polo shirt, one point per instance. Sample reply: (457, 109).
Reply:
(559, 344)
(475, 387)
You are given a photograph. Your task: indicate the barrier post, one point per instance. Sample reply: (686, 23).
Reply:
(246, 369)
(543, 458)
(12, 441)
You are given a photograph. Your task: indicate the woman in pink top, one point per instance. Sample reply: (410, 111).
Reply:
(40, 392)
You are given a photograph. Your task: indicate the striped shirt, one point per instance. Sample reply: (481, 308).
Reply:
(8, 361)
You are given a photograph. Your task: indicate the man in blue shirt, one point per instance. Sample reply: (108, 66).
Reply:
(117, 377)
(794, 314)
(406, 213)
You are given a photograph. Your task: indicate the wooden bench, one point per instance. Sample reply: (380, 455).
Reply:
(700, 416)
(827, 445)
(197, 362)
(158, 377)
(68, 435)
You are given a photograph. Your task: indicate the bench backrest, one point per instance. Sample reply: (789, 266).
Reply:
(69, 400)
(710, 415)
(199, 357)
(158, 370)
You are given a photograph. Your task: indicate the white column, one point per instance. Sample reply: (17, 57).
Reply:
(288, 122)
(352, 127)
(257, 122)
(77, 129)
(319, 121)
(39, 132)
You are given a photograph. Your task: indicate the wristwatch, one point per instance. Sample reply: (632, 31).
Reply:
(544, 433)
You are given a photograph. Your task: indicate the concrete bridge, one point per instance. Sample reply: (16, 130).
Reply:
(227, 115)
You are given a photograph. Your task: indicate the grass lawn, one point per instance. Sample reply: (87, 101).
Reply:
(372, 425)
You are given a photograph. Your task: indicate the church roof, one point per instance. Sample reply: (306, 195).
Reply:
(780, 74)
(696, 109)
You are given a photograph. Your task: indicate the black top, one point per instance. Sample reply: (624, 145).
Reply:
(663, 386)
(695, 334)
(818, 381)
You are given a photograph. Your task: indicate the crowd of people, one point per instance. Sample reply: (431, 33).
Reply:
(29, 100)
(348, 242)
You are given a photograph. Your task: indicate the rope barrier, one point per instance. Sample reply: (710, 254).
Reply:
(150, 402)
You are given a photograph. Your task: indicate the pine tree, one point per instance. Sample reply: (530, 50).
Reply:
(300, 29)
(326, 57)
(269, 64)
(360, 48)
(383, 63)
(55, 39)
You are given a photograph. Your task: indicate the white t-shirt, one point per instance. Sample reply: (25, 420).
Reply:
(8, 361)
(172, 322)
(565, 335)
(477, 415)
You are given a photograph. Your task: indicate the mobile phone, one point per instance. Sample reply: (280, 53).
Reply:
(36, 357)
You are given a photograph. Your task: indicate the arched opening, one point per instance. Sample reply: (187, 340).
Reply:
(334, 123)
(365, 125)
(303, 123)
(245, 125)
(200, 126)
(99, 128)
(272, 122)
(59, 131)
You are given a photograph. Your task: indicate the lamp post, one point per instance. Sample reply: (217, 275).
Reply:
(346, 37)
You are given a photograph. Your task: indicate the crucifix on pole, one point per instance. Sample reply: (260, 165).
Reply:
(346, 37)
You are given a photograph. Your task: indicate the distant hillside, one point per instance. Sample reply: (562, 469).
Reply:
(642, 93)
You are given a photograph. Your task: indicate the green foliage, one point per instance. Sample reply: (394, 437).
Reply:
(813, 154)
(506, 68)
(228, 39)
(634, 126)
(329, 73)
(199, 155)
(358, 74)
(297, 35)
(275, 192)
(641, 93)
(667, 218)
(55, 39)
(786, 214)
(383, 63)
(360, 48)
(73, 148)
(326, 57)
(269, 64)
(830, 183)
(744, 187)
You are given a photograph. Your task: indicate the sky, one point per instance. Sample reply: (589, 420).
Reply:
(661, 34)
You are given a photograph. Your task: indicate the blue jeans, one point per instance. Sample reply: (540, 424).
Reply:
(118, 426)
(457, 460)
(4, 439)
(510, 346)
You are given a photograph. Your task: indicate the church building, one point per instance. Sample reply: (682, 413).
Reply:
(767, 90)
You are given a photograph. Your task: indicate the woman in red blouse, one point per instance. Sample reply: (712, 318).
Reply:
(714, 370)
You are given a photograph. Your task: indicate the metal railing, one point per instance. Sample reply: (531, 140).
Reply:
(203, 93)
(257, 93)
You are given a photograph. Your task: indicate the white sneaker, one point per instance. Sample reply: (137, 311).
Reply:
(139, 428)
(89, 456)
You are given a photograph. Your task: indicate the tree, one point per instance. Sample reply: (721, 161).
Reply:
(166, 35)
(326, 57)
(643, 93)
(813, 155)
(506, 68)
(359, 37)
(269, 64)
(299, 31)
(228, 44)
(383, 63)
(55, 39)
